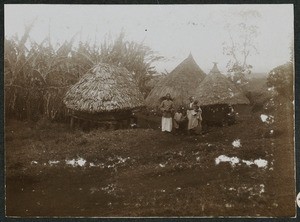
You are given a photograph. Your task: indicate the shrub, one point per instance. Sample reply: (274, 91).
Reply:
(281, 78)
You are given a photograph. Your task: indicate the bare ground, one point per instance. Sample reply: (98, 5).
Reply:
(143, 172)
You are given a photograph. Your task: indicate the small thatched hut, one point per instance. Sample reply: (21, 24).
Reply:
(105, 93)
(180, 83)
(216, 95)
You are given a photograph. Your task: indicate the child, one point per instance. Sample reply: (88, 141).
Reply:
(179, 118)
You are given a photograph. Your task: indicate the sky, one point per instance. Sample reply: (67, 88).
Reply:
(173, 31)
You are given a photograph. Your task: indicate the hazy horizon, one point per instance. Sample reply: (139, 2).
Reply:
(173, 31)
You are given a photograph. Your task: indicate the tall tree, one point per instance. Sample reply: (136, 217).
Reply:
(241, 44)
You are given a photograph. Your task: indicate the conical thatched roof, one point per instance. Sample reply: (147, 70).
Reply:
(180, 83)
(217, 89)
(104, 88)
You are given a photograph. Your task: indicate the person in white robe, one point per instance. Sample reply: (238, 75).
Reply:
(167, 109)
(190, 108)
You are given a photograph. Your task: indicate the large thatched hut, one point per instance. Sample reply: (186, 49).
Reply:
(106, 93)
(217, 96)
(180, 83)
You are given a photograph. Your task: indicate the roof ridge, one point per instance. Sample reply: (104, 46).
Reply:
(215, 69)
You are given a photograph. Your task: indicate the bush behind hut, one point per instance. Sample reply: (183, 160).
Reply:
(36, 76)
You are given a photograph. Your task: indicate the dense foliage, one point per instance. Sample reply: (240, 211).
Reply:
(281, 78)
(38, 75)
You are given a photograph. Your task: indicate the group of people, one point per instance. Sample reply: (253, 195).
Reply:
(184, 118)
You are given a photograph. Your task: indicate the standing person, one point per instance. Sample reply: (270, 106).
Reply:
(189, 109)
(195, 119)
(191, 104)
(167, 109)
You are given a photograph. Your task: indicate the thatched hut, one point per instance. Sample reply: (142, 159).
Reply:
(105, 93)
(216, 95)
(180, 83)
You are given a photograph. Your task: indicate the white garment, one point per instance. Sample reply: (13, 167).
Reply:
(177, 118)
(195, 119)
(189, 111)
(166, 124)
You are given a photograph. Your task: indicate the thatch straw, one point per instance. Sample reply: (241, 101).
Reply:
(217, 89)
(104, 88)
(180, 83)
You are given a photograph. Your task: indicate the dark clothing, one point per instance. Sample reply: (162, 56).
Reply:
(167, 108)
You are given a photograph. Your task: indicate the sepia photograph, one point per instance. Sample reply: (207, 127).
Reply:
(149, 111)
